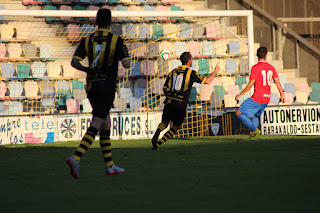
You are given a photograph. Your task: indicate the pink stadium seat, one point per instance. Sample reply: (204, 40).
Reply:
(205, 93)
(93, 7)
(3, 90)
(211, 31)
(194, 48)
(65, 7)
(234, 89)
(162, 8)
(303, 87)
(3, 50)
(73, 32)
(288, 99)
(73, 106)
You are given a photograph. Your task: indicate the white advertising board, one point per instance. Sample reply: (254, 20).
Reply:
(291, 120)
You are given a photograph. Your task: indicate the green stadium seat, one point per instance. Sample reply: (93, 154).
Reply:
(193, 95)
(50, 7)
(79, 7)
(175, 8)
(23, 70)
(157, 31)
(240, 80)
(315, 86)
(219, 90)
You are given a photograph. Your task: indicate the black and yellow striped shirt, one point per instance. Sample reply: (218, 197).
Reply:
(104, 50)
(179, 83)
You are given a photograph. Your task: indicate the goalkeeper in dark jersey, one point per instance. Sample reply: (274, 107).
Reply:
(177, 90)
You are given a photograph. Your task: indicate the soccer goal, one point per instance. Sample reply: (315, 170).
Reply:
(43, 98)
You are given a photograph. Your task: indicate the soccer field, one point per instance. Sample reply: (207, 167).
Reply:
(211, 174)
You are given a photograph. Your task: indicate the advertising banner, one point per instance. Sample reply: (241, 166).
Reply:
(291, 120)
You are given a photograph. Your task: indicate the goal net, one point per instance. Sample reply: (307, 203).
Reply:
(43, 98)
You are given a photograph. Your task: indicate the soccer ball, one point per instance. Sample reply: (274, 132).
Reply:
(165, 54)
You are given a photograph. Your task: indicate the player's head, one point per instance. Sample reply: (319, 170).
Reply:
(262, 53)
(186, 59)
(103, 18)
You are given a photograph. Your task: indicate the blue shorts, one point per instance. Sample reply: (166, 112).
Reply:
(249, 108)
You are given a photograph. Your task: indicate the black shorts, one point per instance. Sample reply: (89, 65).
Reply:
(101, 95)
(174, 112)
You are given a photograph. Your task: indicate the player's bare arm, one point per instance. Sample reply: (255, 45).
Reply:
(76, 64)
(246, 89)
(276, 80)
(213, 74)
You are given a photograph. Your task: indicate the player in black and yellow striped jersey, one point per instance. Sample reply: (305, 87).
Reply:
(177, 89)
(104, 50)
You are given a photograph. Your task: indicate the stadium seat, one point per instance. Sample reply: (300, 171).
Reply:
(175, 8)
(302, 97)
(216, 82)
(185, 30)
(139, 92)
(219, 90)
(241, 81)
(163, 67)
(7, 70)
(14, 107)
(79, 94)
(215, 101)
(50, 7)
(14, 50)
(126, 93)
(144, 31)
(63, 95)
(138, 49)
(120, 104)
(274, 99)
(171, 30)
(168, 46)
(135, 68)
(231, 65)
(207, 48)
(38, 69)
(62, 85)
(205, 93)
(79, 7)
(73, 106)
(314, 96)
(193, 95)
(198, 30)
(243, 65)
(282, 79)
(54, 69)
(122, 8)
(66, 7)
(288, 87)
(180, 47)
(243, 98)
(234, 47)
(211, 30)
(161, 8)
(194, 48)
(150, 70)
(86, 29)
(2, 108)
(226, 81)
(3, 90)
(2, 17)
(234, 89)
(31, 89)
(7, 31)
(156, 85)
(73, 32)
(194, 65)
(153, 49)
(48, 98)
(86, 105)
(29, 50)
(174, 64)
(130, 31)
(45, 50)
(117, 29)
(122, 71)
(203, 67)
(3, 50)
(303, 87)
(315, 87)
(23, 70)
(288, 98)
(157, 30)
(229, 100)
(76, 84)
(149, 8)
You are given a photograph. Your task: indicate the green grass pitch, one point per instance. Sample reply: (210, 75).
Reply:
(210, 174)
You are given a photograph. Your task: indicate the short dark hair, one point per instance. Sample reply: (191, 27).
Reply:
(185, 57)
(103, 17)
(262, 52)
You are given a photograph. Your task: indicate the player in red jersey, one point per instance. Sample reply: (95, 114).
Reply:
(261, 75)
